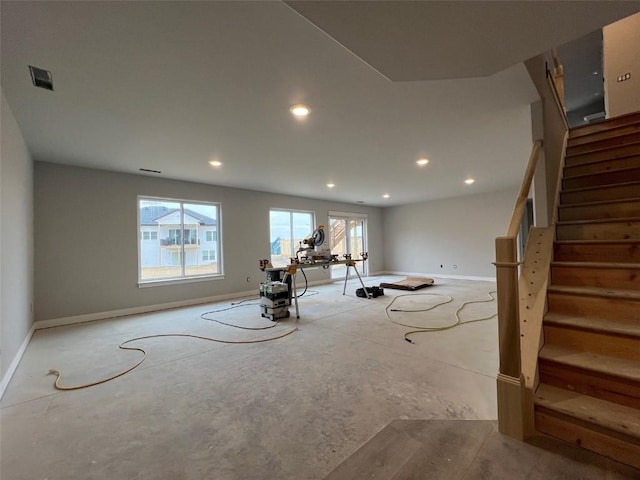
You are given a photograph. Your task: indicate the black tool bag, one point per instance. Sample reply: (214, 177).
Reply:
(373, 291)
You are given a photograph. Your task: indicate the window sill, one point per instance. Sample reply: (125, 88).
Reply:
(179, 281)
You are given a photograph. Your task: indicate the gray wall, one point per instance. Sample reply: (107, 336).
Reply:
(16, 239)
(460, 231)
(86, 255)
(620, 42)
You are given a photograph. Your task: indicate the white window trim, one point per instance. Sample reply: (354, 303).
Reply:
(347, 214)
(181, 280)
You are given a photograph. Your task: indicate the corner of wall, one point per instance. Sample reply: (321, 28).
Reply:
(16, 241)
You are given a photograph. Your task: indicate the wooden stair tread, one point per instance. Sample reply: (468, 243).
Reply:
(602, 364)
(601, 160)
(596, 291)
(595, 174)
(596, 187)
(594, 324)
(629, 266)
(599, 220)
(602, 149)
(600, 202)
(596, 242)
(608, 124)
(609, 143)
(613, 132)
(609, 415)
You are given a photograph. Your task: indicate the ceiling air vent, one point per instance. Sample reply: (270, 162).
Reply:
(41, 78)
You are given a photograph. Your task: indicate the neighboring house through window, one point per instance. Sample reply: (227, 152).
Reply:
(178, 239)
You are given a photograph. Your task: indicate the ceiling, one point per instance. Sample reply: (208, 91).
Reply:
(169, 86)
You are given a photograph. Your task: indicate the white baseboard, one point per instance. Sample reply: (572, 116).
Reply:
(90, 317)
(16, 361)
(441, 275)
(321, 282)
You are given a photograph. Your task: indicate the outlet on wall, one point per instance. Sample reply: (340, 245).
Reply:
(624, 77)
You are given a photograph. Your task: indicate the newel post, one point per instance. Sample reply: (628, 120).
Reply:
(510, 382)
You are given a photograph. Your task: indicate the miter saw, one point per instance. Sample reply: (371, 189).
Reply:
(310, 252)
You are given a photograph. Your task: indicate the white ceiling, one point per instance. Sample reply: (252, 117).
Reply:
(170, 85)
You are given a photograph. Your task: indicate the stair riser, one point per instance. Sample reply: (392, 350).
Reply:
(595, 342)
(603, 178)
(602, 166)
(578, 433)
(604, 135)
(618, 253)
(607, 210)
(617, 152)
(612, 389)
(605, 126)
(600, 231)
(613, 142)
(616, 278)
(619, 192)
(595, 306)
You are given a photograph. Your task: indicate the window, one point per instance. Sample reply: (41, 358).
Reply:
(347, 235)
(288, 229)
(208, 255)
(177, 226)
(146, 235)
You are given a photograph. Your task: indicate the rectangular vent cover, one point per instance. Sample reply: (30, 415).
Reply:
(41, 78)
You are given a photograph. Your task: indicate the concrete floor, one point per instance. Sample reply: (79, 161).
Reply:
(294, 408)
(471, 450)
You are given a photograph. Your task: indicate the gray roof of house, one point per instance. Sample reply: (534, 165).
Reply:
(150, 215)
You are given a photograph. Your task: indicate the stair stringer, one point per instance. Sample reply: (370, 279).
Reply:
(532, 288)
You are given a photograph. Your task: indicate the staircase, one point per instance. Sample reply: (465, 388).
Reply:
(337, 232)
(589, 366)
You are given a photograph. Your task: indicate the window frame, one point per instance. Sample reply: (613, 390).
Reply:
(291, 211)
(183, 278)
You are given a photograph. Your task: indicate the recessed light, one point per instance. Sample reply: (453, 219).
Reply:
(215, 163)
(331, 185)
(422, 161)
(595, 72)
(469, 181)
(386, 195)
(300, 110)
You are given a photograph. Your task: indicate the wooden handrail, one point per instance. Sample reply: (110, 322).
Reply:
(556, 202)
(556, 60)
(521, 201)
(558, 97)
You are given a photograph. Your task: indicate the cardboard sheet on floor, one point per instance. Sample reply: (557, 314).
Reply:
(410, 283)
